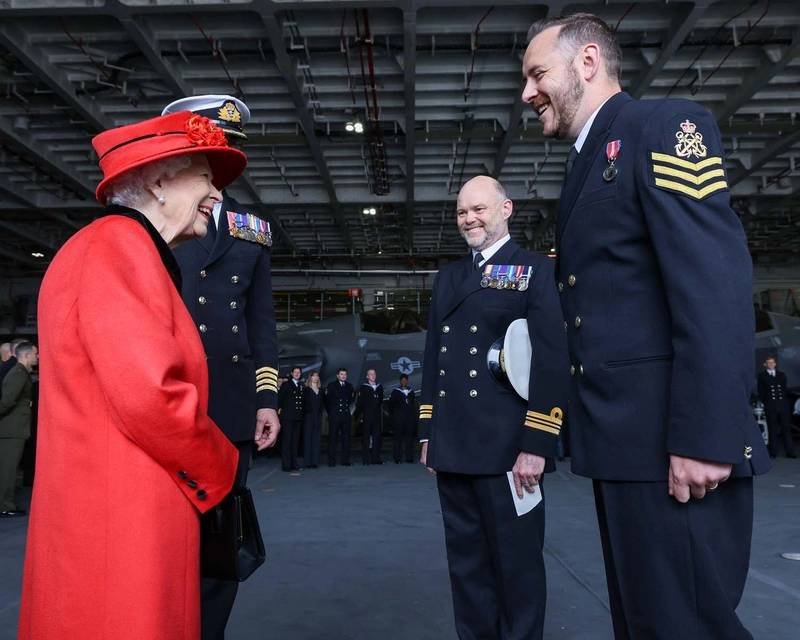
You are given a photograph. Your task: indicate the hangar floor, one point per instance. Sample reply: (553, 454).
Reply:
(358, 554)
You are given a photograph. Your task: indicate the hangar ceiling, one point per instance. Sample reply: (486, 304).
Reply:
(435, 84)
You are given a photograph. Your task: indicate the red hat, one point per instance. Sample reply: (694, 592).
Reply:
(133, 145)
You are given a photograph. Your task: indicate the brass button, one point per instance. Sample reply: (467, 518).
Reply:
(748, 452)
(442, 393)
(202, 300)
(235, 279)
(441, 372)
(473, 329)
(580, 369)
(473, 393)
(443, 349)
(565, 325)
(234, 304)
(203, 328)
(203, 273)
(578, 322)
(445, 329)
(572, 370)
(473, 351)
(472, 373)
(235, 358)
(560, 287)
(571, 280)
(235, 328)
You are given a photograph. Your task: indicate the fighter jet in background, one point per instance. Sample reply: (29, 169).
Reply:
(390, 341)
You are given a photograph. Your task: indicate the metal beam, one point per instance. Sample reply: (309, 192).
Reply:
(511, 132)
(757, 80)
(33, 57)
(148, 45)
(60, 171)
(284, 64)
(682, 23)
(772, 150)
(410, 64)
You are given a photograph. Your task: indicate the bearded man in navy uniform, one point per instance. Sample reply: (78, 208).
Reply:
(655, 282)
(475, 429)
(227, 287)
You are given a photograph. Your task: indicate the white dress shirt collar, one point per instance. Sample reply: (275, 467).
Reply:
(588, 126)
(490, 251)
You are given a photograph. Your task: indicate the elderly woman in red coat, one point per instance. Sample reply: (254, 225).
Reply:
(128, 457)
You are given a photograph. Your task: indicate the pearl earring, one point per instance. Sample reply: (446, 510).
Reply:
(161, 199)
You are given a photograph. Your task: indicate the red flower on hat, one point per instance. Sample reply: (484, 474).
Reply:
(204, 133)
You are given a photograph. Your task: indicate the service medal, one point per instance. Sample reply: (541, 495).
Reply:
(612, 153)
(523, 284)
(485, 281)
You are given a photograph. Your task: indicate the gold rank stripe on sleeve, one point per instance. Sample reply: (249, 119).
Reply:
(551, 423)
(266, 379)
(681, 176)
(425, 411)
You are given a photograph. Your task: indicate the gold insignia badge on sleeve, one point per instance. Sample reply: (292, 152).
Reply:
(690, 141)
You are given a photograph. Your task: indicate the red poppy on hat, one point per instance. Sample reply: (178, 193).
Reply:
(124, 148)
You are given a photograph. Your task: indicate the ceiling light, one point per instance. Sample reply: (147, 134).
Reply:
(36, 254)
(372, 211)
(358, 127)
(349, 127)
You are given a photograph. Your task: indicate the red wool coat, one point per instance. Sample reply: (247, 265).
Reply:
(126, 451)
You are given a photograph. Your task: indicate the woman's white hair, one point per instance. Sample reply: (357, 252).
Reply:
(130, 188)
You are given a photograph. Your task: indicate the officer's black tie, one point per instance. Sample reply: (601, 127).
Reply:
(573, 154)
(476, 261)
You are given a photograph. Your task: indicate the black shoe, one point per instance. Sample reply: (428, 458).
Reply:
(15, 513)
(346, 464)
(791, 455)
(397, 462)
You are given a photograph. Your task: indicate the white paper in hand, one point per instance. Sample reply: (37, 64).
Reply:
(528, 500)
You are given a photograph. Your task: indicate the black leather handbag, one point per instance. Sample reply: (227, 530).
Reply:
(231, 547)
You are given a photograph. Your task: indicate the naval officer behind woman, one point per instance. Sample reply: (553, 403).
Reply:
(127, 454)
(227, 287)
(475, 429)
(655, 282)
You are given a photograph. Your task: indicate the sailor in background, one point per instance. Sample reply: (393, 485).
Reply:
(227, 287)
(655, 282)
(476, 429)
(404, 414)
(772, 392)
(369, 401)
(338, 398)
(290, 409)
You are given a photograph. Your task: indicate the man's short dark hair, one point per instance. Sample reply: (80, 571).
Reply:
(340, 369)
(771, 358)
(403, 375)
(24, 348)
(299, 368)
(580, 29)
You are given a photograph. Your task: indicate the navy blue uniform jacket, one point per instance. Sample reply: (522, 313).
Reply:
(656, 288)
(474, 423)
(227, 287)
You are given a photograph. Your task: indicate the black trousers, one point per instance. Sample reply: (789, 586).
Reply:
(217, 596)
(339, 426)
(404, 438)
(675, 570)
(779, 421)
(495, 559)
(290, 443)
(371, 431)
